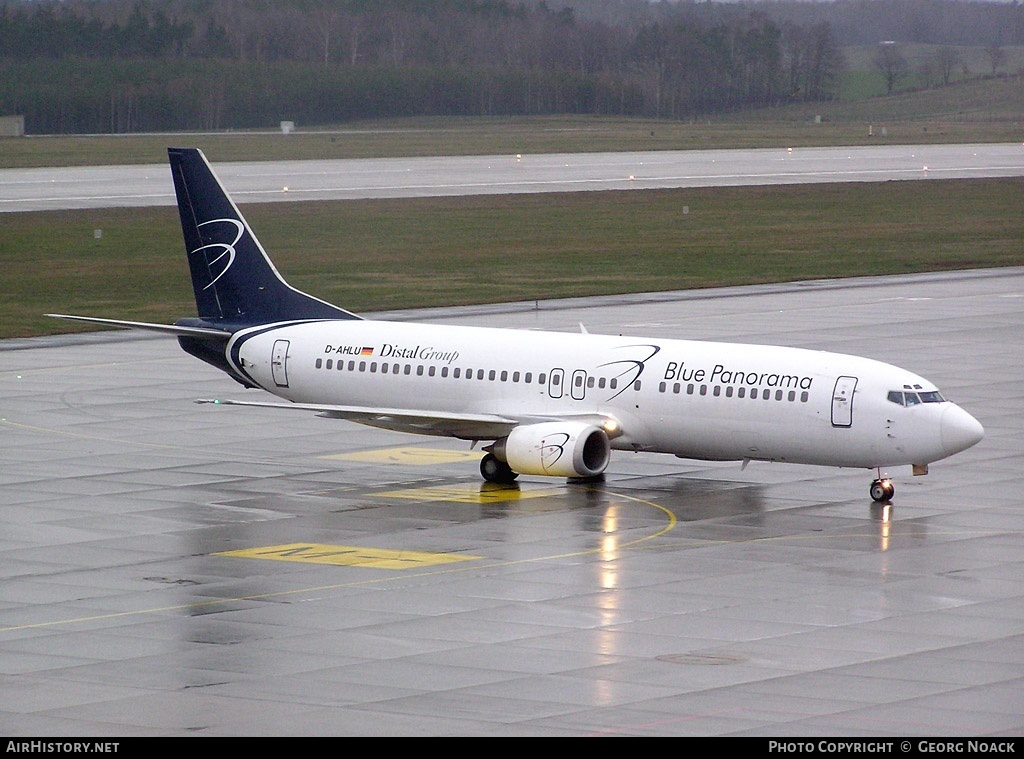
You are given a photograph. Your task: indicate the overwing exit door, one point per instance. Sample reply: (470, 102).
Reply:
(842, 402)
(279, 363)
(555, 380)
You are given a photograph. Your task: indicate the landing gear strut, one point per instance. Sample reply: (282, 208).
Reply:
(882, 490)
(495, 470)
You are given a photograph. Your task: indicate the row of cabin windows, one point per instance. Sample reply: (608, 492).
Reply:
(541, 378)
(459, 373)
(739, 392)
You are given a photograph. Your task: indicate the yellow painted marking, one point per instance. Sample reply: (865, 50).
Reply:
(408, 456)
(349, 556)
(469, 493)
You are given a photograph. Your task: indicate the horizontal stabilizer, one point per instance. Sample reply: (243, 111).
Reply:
(170, 329)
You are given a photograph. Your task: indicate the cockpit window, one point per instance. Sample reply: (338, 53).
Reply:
(907, 398)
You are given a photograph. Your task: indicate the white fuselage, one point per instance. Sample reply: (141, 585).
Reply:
(701, 400)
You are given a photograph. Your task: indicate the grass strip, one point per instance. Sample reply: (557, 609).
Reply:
(370, 255)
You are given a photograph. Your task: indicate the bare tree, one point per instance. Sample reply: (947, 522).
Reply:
(947, 58)
(926, 74)
(996, 56)
(892, 64)
(814, 61)
(824, 62)
(324, 23)
(399, 30)
(354, 33)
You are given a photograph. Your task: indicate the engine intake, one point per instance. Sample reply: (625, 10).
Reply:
(556, 449)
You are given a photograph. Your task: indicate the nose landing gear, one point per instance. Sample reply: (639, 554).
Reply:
(882, 490)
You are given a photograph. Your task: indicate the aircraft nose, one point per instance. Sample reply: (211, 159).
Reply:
(959, 430)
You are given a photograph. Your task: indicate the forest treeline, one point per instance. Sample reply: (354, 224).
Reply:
(78, 66)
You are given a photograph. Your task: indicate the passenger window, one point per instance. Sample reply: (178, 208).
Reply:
(330, 363)
(319, 363)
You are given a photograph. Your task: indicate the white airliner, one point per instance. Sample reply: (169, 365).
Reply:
(544, 403)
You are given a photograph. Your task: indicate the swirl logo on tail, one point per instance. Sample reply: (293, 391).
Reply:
(224, 257)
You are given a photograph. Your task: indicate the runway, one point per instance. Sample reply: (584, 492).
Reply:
(107, 186)
(174, 569)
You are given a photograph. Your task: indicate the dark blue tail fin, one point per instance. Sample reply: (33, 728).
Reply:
(235, 283)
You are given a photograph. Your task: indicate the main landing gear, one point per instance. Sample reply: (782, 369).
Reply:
(497, 471)
(882, 489)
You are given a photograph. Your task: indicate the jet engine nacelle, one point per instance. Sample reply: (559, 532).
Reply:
(556, 449)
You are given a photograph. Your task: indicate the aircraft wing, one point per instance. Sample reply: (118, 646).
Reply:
(464, 426)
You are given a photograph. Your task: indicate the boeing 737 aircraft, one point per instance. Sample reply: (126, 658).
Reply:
(544, 403)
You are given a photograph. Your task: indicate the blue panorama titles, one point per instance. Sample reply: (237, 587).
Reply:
(678, 372)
